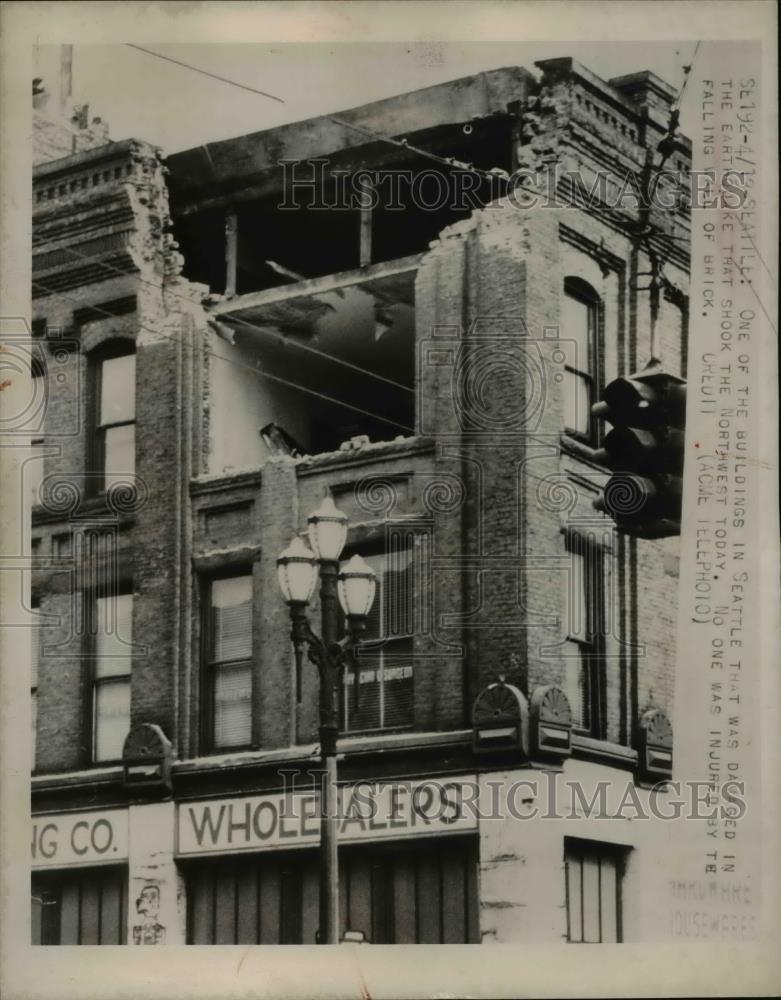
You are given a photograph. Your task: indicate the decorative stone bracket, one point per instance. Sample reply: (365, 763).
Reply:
(146, 756)
(500, 721)
(551, 724)
(655, 747)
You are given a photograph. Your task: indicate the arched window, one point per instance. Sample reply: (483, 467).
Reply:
(579, 329)
(113, 439)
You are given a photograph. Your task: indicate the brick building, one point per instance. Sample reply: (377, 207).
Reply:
(226, 337)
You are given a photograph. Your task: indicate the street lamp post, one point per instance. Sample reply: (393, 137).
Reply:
(353, 588)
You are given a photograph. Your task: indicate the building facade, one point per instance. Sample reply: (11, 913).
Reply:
(223, 339)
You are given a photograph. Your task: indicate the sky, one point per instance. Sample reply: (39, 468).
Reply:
(144, 97)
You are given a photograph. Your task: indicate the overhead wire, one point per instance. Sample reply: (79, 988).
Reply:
(205, 72)
(371, 133)
(686, 73)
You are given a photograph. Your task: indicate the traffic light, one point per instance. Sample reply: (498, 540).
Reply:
(644, 450)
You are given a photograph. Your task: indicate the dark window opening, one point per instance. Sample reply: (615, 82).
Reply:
(277, 247)
(414, 199)
(273, 246)
(427, 199)
(201, 240)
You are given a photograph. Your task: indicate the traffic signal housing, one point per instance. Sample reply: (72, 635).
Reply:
(644, 450)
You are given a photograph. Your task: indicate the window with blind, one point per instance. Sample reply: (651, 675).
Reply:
(112, 636)
(114, 441)
(228, 647)
(586, 629)
(593, 875)
(87, 906)
(579, 333)
(394, 894)
(384, 668)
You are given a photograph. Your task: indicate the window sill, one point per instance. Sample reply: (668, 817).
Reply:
(107, 774)
(347, 746)
(603, 752)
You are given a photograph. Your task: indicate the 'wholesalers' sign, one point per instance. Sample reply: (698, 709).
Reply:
(368, 811)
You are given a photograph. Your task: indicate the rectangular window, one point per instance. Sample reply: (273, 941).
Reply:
(112, 636)
(87, 906)
(229, 666)
(579, 326)
(385, 666)
(584, 648)
(593, 875)
(115, 418)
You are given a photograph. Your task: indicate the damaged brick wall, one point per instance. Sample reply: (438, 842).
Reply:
(501, 484)
(106, 269)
